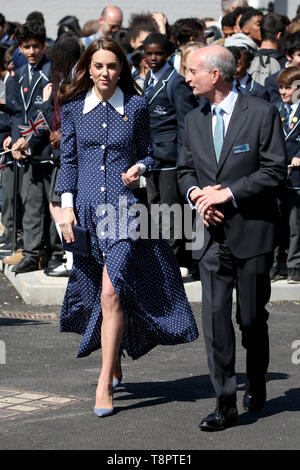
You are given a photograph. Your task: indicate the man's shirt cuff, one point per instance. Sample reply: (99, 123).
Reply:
(192, 205)
(232, 198)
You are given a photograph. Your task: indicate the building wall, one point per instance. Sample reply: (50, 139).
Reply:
(54, 10)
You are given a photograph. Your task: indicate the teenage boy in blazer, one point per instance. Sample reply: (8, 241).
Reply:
(292, 52)
(169, 99)
(243, 82)
(232, 159)
(289, 109)
(38, 227)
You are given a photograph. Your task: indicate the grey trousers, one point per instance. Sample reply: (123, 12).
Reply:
(39, 229)
(8, 198)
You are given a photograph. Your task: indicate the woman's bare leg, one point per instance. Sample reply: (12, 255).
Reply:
(111, 337)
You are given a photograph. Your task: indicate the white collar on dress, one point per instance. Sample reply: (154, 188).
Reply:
(116, 101)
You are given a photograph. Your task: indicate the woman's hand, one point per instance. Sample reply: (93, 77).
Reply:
(47, 91)
(295, 162)
(131, 176)
(68, 219)
(55, 138)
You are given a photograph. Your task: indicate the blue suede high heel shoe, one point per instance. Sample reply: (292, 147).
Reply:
(116, 382)
(102, 412)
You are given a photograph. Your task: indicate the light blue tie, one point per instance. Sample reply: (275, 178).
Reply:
(219, 132)
(150, 85)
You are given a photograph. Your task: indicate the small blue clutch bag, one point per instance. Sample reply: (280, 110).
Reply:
(82, 244)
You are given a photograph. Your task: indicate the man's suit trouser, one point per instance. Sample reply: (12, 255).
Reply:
(219, 269)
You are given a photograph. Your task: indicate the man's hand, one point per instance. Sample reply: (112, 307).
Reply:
(212, 216)
(131, 176)
(19, 148)
(211, 198)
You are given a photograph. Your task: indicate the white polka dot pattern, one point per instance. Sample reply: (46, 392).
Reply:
(95, 149)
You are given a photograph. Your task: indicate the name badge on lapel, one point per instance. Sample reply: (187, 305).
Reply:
(241, 149)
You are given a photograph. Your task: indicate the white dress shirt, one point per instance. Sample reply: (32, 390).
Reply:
(228, 106)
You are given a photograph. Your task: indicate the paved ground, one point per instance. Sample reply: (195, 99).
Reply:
(47, 394)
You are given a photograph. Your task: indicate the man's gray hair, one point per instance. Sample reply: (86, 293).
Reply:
(225, 63)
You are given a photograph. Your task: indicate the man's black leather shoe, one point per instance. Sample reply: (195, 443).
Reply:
(254, 401)
(60, 271)
(54, 261)
(220, 419)
(25, 266)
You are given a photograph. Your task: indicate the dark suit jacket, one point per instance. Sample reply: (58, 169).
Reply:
(273, 87)
(167, 118)
(4, 127)
(7, 110)
(252, 172)
(254, 88)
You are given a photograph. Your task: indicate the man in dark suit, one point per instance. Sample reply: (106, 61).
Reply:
(232, 159)
(169, 99)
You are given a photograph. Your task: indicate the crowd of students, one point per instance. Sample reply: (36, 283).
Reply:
(266, 47)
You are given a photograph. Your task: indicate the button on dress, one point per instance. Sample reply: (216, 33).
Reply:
(96, 148)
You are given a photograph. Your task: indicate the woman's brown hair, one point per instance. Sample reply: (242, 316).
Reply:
(82, 81)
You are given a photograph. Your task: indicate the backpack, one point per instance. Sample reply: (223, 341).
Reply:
(262, 66)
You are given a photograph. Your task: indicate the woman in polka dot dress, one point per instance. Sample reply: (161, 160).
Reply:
(128, 293)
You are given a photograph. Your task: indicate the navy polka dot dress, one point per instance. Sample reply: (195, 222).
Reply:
(96, 149)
